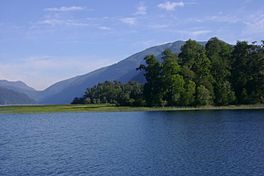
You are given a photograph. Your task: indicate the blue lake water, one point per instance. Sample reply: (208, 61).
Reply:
(133, 143)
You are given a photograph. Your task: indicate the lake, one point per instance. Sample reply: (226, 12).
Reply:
(133, 143)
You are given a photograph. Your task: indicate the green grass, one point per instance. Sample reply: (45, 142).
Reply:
(111, 108)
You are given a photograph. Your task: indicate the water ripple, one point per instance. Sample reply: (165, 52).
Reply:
(138, 143)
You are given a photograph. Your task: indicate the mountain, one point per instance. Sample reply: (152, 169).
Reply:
(20, 87)
(8, 96)
(65, 91)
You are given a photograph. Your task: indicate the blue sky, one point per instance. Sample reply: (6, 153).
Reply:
(45, 41)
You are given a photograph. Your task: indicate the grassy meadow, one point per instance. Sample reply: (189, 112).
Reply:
(110, 108)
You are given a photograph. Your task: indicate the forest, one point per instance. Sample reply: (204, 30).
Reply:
(216, 73)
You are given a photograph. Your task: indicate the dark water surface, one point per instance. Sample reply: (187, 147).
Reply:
(133, 143)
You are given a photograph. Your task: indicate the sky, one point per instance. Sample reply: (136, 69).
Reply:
(45, 41)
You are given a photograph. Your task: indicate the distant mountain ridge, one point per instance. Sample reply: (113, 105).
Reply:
(21, 87)
(65, 91)
(124, 71)
(9, 97)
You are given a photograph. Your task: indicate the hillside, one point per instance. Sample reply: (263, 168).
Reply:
(65, 91)
(20, 87)
(8, 96)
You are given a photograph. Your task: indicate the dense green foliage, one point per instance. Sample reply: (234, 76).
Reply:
(220, 54)
(153, 94)
(248, 72)
(129, 94)
(214, 74)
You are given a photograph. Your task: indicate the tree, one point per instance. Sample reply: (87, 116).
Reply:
(196, 65)
(172, 81)
(189, 52)
(219, 54)
(153, 92)
(255, 82)
(203, 96)
(247, 72)
(129, 94)
(215, 74)
(188, 96)
(176, 90)
(240, 62)
(77, 100)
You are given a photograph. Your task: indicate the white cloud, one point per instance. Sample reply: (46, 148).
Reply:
(255, 23)
(54, 19)
(159, 26)
(129, 20)
(66, 22)
(105, 28)
(41, 72)
(218, 18)
(141, 9)
(145, 43)
(51, 22)
(199, 32)
(251, 24)
(170, 6)
(65, 9)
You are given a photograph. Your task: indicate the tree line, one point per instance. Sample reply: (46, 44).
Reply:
(113, 92)
(214, 74)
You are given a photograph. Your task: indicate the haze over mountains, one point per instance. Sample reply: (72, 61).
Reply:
(15, 93)
(65, 91)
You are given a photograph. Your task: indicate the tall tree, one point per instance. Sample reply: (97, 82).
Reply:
(172, 81)
(188, 96)
(255, 80)
(153, 92)
(197, 66)
(219, 54)
(241, 71)
(259, 73)
(203, 96)
(215, 74)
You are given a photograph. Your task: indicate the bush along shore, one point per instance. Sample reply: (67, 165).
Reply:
(217, 74)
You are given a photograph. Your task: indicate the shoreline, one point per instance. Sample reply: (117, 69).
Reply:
(32, 109)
